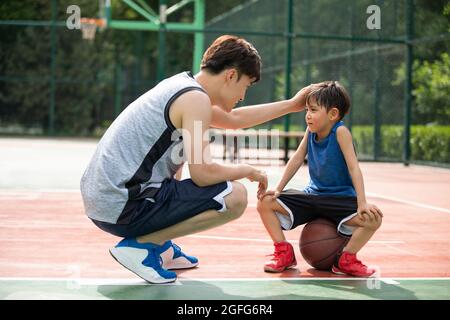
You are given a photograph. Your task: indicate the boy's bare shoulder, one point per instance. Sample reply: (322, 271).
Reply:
(343, 134)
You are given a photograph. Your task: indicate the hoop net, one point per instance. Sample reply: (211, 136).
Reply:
(89, 27)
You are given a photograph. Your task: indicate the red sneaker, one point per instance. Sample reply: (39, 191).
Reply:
(282, 258)
(347, 263)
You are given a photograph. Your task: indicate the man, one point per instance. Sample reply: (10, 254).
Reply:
(129, 188)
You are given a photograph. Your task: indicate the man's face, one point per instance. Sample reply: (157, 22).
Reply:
(234, 90)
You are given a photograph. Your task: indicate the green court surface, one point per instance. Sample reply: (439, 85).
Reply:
(236, 289)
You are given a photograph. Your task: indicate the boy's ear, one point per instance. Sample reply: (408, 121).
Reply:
(333, 114)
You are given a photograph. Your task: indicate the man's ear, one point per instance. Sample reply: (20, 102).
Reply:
(333, 114)
(231, 74)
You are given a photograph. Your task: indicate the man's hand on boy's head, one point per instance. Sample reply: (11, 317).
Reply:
(299, 100)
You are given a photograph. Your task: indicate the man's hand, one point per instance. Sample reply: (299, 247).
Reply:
(272, 193)
(299, 100)
(261, 177)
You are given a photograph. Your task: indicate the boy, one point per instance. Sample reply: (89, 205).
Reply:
(129, 189)
(335, 190)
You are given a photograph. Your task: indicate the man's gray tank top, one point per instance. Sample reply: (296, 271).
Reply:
(133, 157)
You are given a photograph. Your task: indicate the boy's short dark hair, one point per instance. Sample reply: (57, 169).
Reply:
(330, 94)
(232, 52)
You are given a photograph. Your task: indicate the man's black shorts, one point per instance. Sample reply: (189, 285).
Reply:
(176, 201)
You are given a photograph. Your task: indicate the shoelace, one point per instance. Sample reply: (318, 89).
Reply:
(357, 262)
(276, 255)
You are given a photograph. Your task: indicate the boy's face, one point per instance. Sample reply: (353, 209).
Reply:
(318, 118)
(234, 90)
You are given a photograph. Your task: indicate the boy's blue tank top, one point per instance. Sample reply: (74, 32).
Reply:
(327, 167)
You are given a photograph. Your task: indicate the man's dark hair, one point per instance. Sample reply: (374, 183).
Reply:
(232, 52)
(330, 94)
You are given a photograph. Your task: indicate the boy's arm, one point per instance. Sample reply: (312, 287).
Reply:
(250, 116)
(195, 122)
(344, 138)
(294, 163)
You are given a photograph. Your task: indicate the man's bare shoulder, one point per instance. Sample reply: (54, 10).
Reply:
(193, 104)
(193, 97)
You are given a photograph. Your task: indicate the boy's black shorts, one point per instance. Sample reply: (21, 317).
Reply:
(304, 207)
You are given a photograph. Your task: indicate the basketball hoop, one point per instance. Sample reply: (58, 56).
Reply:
(89, 27)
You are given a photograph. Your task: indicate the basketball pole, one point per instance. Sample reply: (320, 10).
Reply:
(162, 40)
(158, 23)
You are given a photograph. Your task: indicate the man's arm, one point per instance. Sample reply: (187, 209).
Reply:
(246, 117)
(179, 174)
(196, 118)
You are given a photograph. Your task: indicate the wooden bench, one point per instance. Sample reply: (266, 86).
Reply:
(256, 135)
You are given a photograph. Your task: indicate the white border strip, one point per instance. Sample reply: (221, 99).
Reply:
(137, 281)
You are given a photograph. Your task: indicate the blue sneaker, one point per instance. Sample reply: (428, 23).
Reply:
(173, 258)
(143, 259)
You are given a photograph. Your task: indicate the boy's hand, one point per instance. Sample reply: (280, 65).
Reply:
(261, 177)
(273, 193)
(370, 210)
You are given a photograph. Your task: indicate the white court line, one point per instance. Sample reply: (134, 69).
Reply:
(402, 250)
(412, 203)
(268, 240)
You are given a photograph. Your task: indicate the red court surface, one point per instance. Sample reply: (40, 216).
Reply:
(46, 234)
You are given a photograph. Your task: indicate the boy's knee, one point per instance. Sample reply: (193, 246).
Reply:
(378, 223)
(264, 203)
(374, 224)
(237, 200)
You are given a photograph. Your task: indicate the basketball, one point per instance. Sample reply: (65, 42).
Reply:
(320, 243)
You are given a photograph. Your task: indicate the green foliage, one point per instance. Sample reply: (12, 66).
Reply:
(431, 82)
(431, 89)
(118, 66)
(94, 78)
(428, 143)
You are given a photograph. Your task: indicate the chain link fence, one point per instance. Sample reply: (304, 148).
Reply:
(53, 82)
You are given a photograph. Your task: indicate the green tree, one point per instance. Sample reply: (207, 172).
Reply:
(431, 90)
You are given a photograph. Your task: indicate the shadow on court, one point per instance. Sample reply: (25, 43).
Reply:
(361, 289)
(200, 290)
(364, 289)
